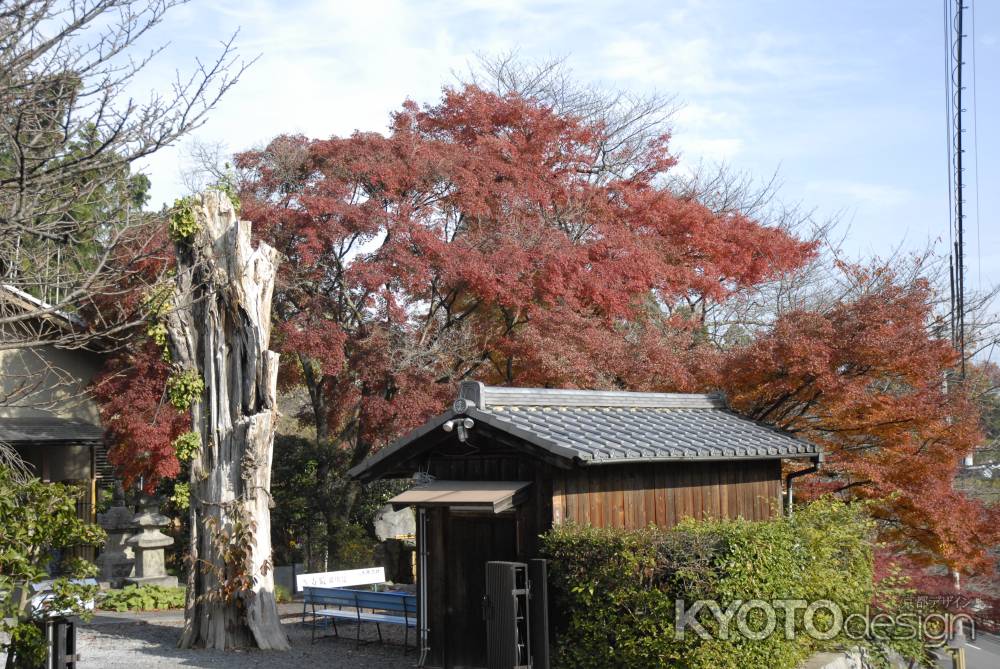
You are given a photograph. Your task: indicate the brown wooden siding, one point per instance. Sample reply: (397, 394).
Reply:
(663, 493)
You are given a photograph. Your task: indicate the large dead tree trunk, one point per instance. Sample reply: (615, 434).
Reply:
(220, 328)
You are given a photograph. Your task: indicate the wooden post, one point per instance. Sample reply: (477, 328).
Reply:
(93, 484)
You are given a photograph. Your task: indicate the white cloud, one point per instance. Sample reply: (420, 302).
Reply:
(333, 67)
(859, 192)
(713, 149)
(763, 84)
(325, 68)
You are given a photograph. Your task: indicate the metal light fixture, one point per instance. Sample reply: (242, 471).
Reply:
(463, 426)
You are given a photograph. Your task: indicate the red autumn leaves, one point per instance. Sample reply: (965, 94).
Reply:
(488, 237)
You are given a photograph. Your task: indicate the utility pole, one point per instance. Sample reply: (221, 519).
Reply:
(958, 281)
(958, 268)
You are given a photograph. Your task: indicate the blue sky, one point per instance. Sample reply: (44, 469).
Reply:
(845, 99)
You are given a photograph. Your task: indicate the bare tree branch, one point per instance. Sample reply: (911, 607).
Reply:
(70, 132)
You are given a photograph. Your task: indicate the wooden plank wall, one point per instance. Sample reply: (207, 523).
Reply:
(662, 493)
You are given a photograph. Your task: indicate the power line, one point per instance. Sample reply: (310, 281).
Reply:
(975, 147)
(949, 125)
(947, 112)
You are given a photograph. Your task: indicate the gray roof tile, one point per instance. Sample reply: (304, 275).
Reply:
(613, 426)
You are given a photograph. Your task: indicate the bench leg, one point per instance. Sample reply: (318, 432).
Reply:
(379, 629)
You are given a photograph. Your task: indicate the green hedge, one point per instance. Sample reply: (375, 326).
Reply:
(615, 591)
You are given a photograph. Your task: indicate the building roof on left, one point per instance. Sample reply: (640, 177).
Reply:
(48, 429)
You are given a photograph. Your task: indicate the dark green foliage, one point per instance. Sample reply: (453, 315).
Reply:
(142, 598)
(355, 548)
(309, 521)
(28, 643)
(296, 520)
(615, 591)
(38, 523)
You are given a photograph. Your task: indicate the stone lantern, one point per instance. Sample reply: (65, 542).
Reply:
(148, 545)
(117, 561)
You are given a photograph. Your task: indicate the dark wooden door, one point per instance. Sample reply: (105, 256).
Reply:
(472, 541)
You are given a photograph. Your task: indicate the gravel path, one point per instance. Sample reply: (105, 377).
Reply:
(131, 641)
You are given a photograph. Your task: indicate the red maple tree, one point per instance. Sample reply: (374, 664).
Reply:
(490, 237)
(493, 238)
(139, 421)
(868, 380)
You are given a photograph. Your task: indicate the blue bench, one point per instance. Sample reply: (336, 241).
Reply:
(360, 606)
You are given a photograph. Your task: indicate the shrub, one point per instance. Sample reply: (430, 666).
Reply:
(355, 548)
(282, 595)
(183, 223)
(186, 445)
(614, 591)
(38, 528)
(142, 598)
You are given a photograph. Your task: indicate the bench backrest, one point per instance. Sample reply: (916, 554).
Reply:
(364, 599)
(330, 596)
(385, 601)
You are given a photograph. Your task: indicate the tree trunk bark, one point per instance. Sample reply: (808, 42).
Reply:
(220, 327)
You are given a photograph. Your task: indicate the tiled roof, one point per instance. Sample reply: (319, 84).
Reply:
(612, 426)
(615, 433)
(47, 429)
(600, 427)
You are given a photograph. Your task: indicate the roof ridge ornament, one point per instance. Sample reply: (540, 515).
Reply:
(473, 392)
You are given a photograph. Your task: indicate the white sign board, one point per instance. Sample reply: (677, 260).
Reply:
(340, 579)
(43, 590)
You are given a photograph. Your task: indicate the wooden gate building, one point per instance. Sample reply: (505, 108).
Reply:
(504, 465)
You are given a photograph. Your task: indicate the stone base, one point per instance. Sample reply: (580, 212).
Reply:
(115, 570)
(165, 581)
